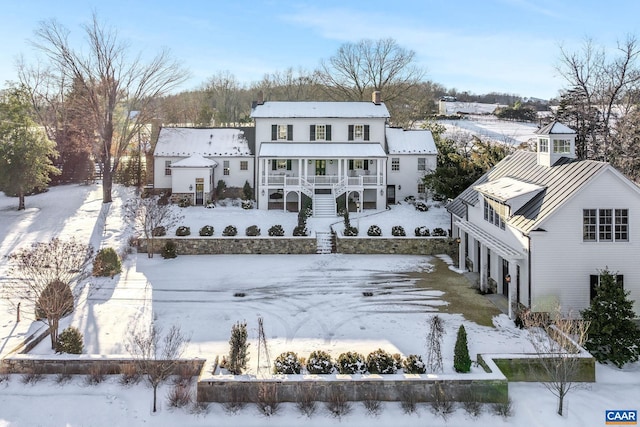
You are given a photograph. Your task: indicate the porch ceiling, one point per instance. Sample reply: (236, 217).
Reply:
(496, 245)
(325, 150)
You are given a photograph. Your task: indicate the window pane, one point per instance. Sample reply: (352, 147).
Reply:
(622, 224)
(320, 132)
(605, 228)
(395, 164)
(589, 225)
(422, 163)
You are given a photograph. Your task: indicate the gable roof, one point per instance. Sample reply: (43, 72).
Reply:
(559, 182)
(208, 142)
(304, 109)
(400, 141)
(194, 161)
(555, 128)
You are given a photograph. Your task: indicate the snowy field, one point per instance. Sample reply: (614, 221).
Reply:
(308, 302)
(513, 133)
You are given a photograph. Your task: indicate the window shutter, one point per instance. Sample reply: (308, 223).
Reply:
(328, 135)
(274, 132)
(593, 286)
(366, 164)
(350, 164)
(289, 132)
(312, 133)
(274, 165)
(350, 138)
(288, 164)
(620, 280)
(366, 132)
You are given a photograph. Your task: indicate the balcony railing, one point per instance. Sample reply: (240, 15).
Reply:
(322, 180)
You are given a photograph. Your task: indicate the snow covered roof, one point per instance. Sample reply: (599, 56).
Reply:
(274, 109)
(207, 142)
(506, 188)
(400, 141)
(555, 128)
(194, 161)
(326, 150)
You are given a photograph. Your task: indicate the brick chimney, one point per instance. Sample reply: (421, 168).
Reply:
(260, 99)
(375, 97)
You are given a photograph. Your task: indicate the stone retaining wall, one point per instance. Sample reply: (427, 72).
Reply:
(235, 245)
(398, 245)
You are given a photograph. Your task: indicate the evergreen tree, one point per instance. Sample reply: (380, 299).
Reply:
(613, 335)
(461, 359)
(238, 347)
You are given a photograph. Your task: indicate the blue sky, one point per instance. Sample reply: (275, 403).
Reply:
(509, 46)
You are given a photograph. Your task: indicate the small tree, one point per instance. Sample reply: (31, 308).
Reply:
(46, 276)
(221, 188)
(151, 215)
(556, 340)
(461, 359)
(156, 355)
(247, 191)
(613, 335)
(238, 347)
(107, 263)
(434, 345)
(70, 341)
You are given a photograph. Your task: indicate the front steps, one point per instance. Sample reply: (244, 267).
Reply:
(324, 206)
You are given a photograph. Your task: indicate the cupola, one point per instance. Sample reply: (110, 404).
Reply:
(555, 141)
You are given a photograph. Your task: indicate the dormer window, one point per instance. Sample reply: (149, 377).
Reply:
(544, 145)
(562, 146)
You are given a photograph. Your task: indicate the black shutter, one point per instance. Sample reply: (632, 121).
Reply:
(366, 164)
(288, 164)
(593, 286)
(328, 136)
(274, 165)
(620, 280)
(350, 164)
(289, 132)
(274, 132)
(312, 133)
(366, 132)
(350, 137)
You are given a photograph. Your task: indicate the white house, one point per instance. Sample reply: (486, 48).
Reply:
(332, 151)
(541, 226)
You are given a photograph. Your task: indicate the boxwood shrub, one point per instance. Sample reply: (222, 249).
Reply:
(169, 250)
(319, 362)
(207, 230)
(183, 230)
(351, 363)
(229, 230)
(252, 230)
(421, 206)
(438, 232)
(398, 230)
(287, 363)
(374, 230)
(107, 263)
(422, 231)
(413, 364)
(276, 230)
(159, 231)
(380, 362)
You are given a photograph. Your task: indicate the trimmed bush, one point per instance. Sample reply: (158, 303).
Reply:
(276, 230)
(461, 359)
(107, 263)
(207, 230)
(300, 230)
(57, 297)
(398, 230)
(185, 202)
(380, 362)
(422, 231)
(247, 204)
(252, 230)
(351, 363)
(159, 231)
(421, 206)
(70, 341)
(413, 364)
(238, 346)
(438, 232)
(319, 362)
(287, 363)
(351, 232)
(169, 250)
(374, 230)
(229, 230)
(183, 230)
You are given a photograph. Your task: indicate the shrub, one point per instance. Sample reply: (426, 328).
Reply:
(96, 375)
(247, 204)
(183, 230)
(397, 361)
(238, 347)
(252, 230)
(319, 362)
(439, 197)
(129, 375)
(56, 296)
(438, 232)
(287, 363)
(380, 362)
(159, 231)
(207, 230)
(461, 359)
(410, 199)
(421, 206)
(337, 403)
(107, 263)
(351, 232)
(374, 230)
(70, 341)
(185, 202)
(397, 230)
(179, 396)
(229, 230)
(422, 231)
(276, 230)
(169, 250)
(268, 402)
(306, 398)
(351, 363)
(413, 364)
(247, 192)
(300, 230)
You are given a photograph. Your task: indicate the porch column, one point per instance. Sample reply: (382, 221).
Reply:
(462, 265)
(512, 288)
(483, 267)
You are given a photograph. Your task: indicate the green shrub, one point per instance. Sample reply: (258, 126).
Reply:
(70, 341)
(421, 206)
(207, 230)
(276, 230)
(351, 231)
(287, 363)
(319, 362)
(159, 231)
(247, 192)
(413, 364)
(397, 230)
(238, 346)
(57, 298)
(247, 204)
(438, 232)
(252, 231)
(183, 230)
(461, 359)
(422, 231)
(374, 230)
(169, 250)
(351, 363)
(380, 362)
(185, 202)
(229, 230)
(107, 263)
(300, 230)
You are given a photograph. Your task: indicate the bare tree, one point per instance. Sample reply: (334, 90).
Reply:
(156, 355)
(289, 85)
(557, 341)
(150, 214)
(434, 344)
(120, 90)
(46, 276)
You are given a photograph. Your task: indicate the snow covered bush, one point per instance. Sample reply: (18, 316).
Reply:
(247, 204)
(421, 206)
(319, 362)
(380, 362)
(287, 363)
(70, 341)
(413, 364)
(229, 230)
(185, 202)
(300, 230)
(351, 363)
(422, 231)
(183, 230)
(159, 231)
(252, 230)
(276, 231)
(397, 230)
(107, 263)
(374, 230)
(169, 250)
(207, 230)
(438, 232)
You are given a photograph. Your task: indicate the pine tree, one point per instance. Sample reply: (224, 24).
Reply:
(461, 359)
(613, 335)
(238, 347)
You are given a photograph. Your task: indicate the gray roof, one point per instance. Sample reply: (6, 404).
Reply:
(305, 109)
(555, 128)
(208, 142)
(560, 181)
(400, 141)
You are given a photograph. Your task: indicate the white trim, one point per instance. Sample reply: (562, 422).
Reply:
(496, 245)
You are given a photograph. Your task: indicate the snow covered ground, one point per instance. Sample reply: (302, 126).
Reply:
(308, 302)
(514, 133)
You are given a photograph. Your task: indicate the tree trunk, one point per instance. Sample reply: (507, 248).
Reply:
(53, 332)
(21, 200)
(560, 404)
(107, 183)
(155, 393)
(150, 247)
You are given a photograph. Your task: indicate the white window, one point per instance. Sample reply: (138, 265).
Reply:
(422, 164)
(225, 167)
(544, 145)
(167, 167)
(561, 146)
(282, 132)
(358, 132)
(321, 132)
(605, 225)
(421, 188)
(282, 164)
(357, 164)
(244, 165)
(495, 217)
(395, 163)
